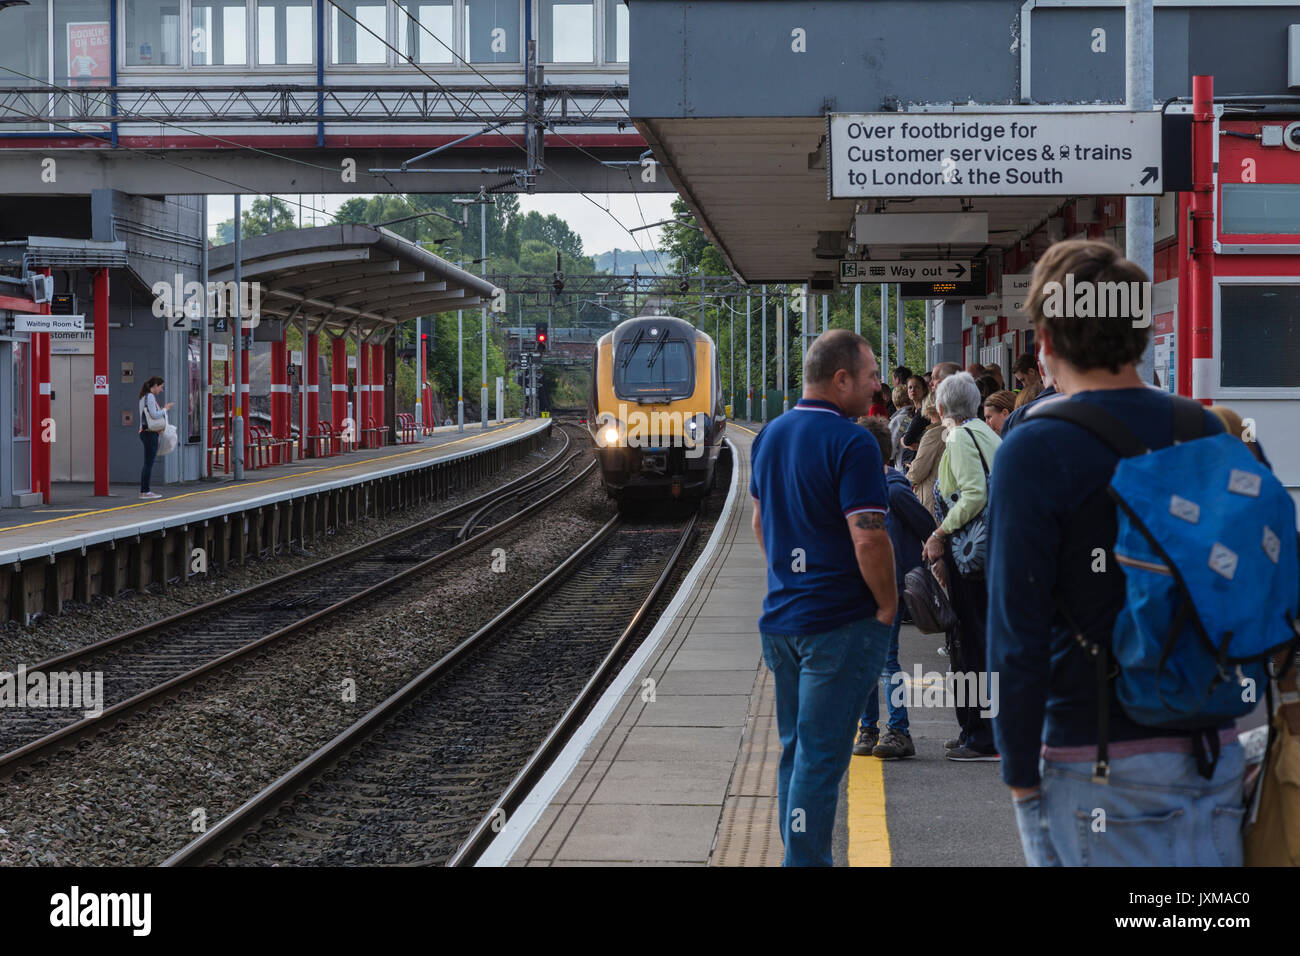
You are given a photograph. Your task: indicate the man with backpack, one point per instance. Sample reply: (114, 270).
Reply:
(1143, 572)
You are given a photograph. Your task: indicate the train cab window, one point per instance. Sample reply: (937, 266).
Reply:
(644, 366)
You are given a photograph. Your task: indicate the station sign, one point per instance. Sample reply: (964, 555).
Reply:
(1015, 292)
(879, 155)
(49, 323)
(904, 270)
(985, 307)
(220, 352)
(974, 286)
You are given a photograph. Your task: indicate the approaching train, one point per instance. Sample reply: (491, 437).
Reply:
(655, 409)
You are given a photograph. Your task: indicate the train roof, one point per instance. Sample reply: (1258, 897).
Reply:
(648, 323)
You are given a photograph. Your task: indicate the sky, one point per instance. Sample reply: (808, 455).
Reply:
(600, 230)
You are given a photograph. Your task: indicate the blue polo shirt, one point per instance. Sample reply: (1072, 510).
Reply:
(812, 469)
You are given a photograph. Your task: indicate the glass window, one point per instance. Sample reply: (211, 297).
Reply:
(652, 366)
(24, 52)
(424, 31)
(358, 28)
(219, 33)
(566, 31)
(616, 31)
(1261, 209)
(284, 32)
(1259, 336)
(492, 31)
(81, 42)
(153, 32)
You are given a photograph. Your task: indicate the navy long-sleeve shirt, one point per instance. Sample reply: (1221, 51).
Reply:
(908, 523)
(1048, 513)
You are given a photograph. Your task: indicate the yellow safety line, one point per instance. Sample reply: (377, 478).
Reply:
(744, 429)
(248, 484)
(868, 834)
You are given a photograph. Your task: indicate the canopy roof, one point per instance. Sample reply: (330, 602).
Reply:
(348, 276)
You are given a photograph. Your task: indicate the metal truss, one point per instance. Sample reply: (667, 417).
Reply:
(540, 287)
(559, 105)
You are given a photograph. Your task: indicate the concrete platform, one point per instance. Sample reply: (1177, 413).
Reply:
(76, 517)
(86, 547)
(681, 768)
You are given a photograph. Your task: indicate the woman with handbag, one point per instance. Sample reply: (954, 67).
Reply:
(958, 546)
(153, 421)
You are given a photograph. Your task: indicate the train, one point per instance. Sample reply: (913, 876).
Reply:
(655, 410)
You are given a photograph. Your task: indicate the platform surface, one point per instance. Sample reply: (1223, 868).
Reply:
(76, 517)
(686, 775)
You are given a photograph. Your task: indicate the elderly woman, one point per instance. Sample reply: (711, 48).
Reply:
(957, 547)
(925, 466)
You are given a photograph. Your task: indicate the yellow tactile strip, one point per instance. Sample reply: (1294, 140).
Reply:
(749, 832)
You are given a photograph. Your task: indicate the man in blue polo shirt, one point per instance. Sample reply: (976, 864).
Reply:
(819, 515)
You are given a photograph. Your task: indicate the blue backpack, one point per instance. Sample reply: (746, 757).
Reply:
(1207, 541)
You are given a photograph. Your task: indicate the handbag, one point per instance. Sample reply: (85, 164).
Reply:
(927, 601)
(969, 542)
(1272, 824)
(152, 423)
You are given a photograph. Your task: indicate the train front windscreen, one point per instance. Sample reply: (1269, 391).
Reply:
(649, 369)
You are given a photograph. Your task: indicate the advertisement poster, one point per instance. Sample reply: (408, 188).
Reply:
(88, 54)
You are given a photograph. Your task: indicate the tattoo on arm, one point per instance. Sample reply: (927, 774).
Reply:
(870, 521)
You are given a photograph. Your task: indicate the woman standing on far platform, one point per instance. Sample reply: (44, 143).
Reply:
(153, 419)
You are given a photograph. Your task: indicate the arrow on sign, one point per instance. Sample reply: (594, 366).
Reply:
(1149, 174)
(958, 270)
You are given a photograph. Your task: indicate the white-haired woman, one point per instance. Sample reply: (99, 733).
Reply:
(957, 547)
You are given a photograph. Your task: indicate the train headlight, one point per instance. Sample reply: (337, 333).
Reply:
(692, 425)
(611, 435)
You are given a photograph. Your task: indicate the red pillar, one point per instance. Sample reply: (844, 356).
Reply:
(311, 391)
(1200, 317)
(363, 392)
(1182, 316)
(279, 389)
(245, 389)
(377, 389)
(339, 383)
(101, 381)
(41, 409)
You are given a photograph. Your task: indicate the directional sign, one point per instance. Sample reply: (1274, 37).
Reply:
(904, 270)
(1015, 290)
(994, 154)
(49, 323)
(985, 307)
(974, 286)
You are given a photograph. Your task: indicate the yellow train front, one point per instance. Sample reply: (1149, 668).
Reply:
(655, 409)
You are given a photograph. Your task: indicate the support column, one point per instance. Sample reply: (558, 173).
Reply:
(311, 389)
(377, 389)
(363, 392)
(40, 446)
(245, 389)
(101, 381)
(1201, 317)
(279, 389)
(339, 383)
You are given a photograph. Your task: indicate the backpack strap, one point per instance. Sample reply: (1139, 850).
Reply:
(1101, 423)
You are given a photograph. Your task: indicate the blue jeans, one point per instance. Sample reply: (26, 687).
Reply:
(1156, 811)
(887, 685)
(150, 440)
(821, 683)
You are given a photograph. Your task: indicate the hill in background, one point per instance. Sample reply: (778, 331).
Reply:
(646, 263)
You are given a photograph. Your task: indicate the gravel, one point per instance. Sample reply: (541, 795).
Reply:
(103, 618)
(139, 791)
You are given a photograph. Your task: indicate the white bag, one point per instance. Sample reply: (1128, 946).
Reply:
(167, 440)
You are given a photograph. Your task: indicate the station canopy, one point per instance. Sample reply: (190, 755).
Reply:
(758, 187)
(350, 277)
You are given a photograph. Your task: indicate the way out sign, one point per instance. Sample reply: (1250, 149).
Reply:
(994, 154)
(904, 270)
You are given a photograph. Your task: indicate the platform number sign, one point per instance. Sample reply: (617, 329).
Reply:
(180, 323)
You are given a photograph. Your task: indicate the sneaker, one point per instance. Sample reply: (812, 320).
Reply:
(150, 494)
(893, 746)
(943, 651)
(866, 742)
(970, 755)
(952, 743)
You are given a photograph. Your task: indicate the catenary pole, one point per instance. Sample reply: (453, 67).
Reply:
(1139, 211)
(237, 335)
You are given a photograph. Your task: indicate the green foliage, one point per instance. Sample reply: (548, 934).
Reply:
(266, 215)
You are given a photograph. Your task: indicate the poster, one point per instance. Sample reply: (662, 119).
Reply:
(88, 54)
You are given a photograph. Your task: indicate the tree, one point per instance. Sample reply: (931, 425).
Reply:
(266, 215)
(552, 230)
(687, 248)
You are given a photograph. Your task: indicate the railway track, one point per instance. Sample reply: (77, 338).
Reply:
(150, 662)
(427, 776)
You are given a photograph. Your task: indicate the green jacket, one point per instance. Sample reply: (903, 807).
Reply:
(960, 468)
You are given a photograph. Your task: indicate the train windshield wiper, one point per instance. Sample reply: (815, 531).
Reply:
(659, 347)
(631, 349)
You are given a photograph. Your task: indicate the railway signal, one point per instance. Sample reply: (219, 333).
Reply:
(541, 336)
